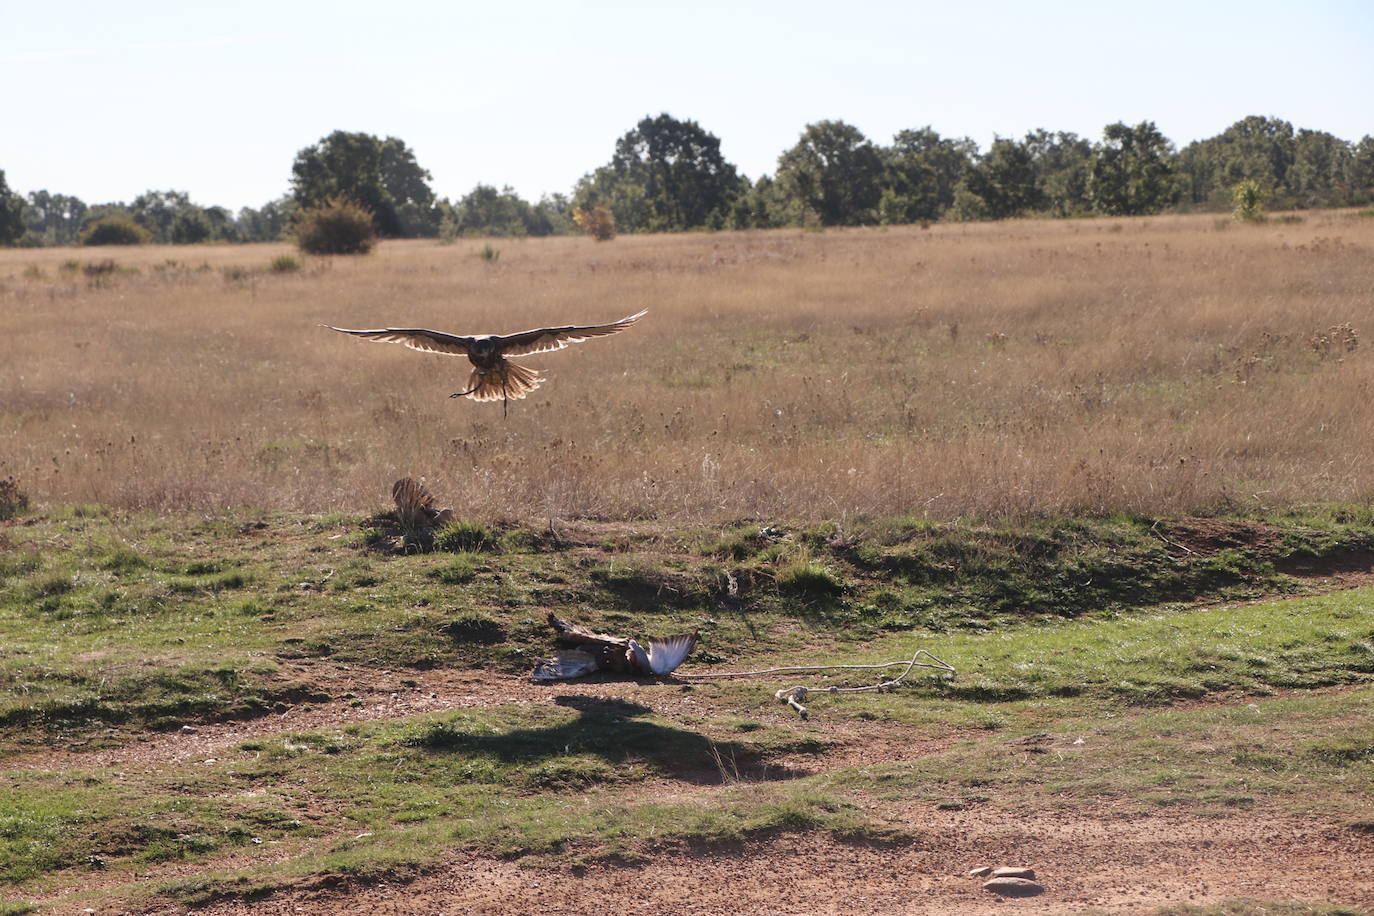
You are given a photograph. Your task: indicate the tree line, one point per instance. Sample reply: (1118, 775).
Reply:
(668, 175)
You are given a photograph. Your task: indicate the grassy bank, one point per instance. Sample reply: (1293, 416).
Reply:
(1144, 662)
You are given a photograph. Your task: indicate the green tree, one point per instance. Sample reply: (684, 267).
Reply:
(1130, 173)
(552, 215)
(53, 219)
(157, 211)
(223, 226)
(1359, 171)
(191, 226)
(1257, 148)
(967, 206)
(1317, 176)
(11, 213)
(765, 204)
(687, 182)
(835, 172)
(625, 198)
(266, 224)
(1061, 162)
(172, 217)
(665, 175)
(922, 173)
(1004, 180)
(380, 175)
(487, 211)
(97, 212)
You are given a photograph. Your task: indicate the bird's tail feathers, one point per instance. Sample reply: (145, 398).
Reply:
(520, 381)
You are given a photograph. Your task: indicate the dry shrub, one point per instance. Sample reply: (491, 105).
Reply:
(339, 226)
(596, 222)
(13, 501)
(1162, 368)
(115, 230)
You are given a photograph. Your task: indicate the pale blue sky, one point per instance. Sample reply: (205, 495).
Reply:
(105, 100)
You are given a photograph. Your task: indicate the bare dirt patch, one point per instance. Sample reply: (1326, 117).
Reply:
(1089, 854)
(381, 696)
(1089, 857)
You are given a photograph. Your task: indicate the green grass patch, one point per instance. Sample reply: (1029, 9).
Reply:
(461, 569)
(118, 628)
(1213, 760)
(465, 536)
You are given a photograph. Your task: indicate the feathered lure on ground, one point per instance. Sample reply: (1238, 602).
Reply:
(595, 652)
(493, 376)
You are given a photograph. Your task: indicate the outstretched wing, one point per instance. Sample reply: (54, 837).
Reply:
(542, 340)
(415, 338)
(568, 665)
(667, 652)
(573, 635)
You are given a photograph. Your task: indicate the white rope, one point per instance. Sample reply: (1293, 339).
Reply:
(793, 696)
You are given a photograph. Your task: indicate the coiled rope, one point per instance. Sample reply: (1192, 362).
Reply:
(793, 696)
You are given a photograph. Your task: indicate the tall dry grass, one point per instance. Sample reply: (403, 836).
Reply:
(1158, 365)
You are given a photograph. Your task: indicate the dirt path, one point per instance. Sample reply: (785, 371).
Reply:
(387, 696)
(1089, 855)
(1092, 858)
(381, 696)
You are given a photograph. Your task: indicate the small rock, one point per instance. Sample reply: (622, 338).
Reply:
(980, 871)
(1013, 887)
(1014, 873)
(188, 729)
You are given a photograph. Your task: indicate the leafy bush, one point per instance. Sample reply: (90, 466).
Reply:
(596, 222)
(285, 264)
(115, 230)
(339, 226)
(1249, 197)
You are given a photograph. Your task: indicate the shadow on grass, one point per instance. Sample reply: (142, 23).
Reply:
(613, 729)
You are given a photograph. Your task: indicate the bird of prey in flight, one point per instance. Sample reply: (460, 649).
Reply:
(493, 376)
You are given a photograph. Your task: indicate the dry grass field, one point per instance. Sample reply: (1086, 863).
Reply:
(1161, 365)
